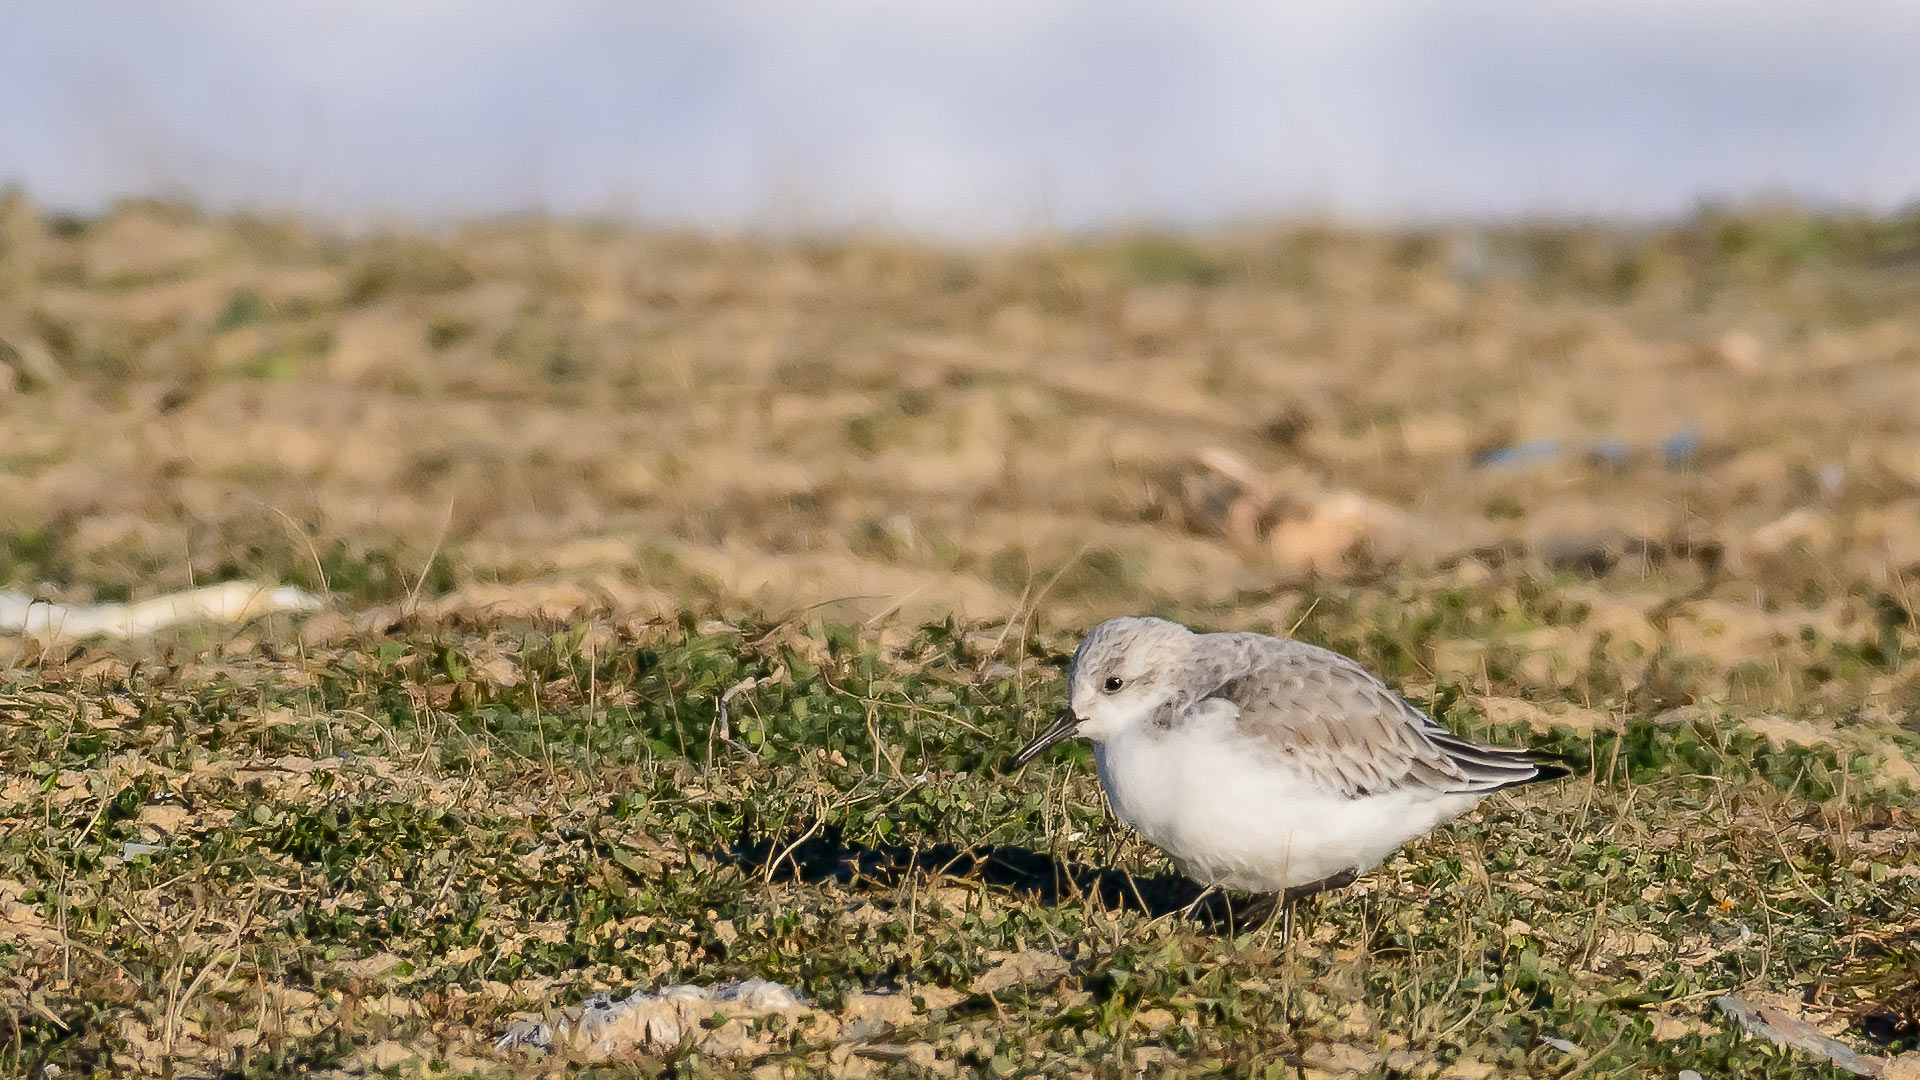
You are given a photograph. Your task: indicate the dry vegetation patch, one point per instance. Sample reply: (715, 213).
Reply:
(388, 850)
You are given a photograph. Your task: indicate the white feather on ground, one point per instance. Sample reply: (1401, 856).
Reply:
(229, 602)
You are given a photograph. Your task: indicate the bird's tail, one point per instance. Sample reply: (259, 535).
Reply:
(1546, 766)
(1496, 768)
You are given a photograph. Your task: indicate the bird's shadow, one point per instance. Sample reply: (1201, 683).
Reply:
(1044, 879)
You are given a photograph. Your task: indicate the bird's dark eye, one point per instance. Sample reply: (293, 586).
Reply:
(1114, 682)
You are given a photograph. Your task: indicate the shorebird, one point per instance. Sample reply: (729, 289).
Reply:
(1264, 764)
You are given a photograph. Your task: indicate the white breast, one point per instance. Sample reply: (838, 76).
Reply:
(1230, 815)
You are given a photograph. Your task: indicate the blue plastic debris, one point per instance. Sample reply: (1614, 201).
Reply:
(1680, 447)
(1678, 450)
(1520, 455)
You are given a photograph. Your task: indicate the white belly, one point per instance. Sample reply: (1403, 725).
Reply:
(1229, 816)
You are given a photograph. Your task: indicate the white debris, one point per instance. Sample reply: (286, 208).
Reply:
(601, 1027)
(231, 602)
(722, 1021)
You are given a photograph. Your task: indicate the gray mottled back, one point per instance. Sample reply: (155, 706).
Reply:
(1313, 709)
(1335, 722)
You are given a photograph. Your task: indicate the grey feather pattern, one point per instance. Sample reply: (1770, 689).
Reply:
(1337, 725)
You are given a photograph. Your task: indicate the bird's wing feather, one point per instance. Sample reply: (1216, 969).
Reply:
(1344, 730)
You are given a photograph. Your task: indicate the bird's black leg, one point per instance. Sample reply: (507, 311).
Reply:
(1283, 901)
(1263, 911)
(1314, 888)
(1258, 913)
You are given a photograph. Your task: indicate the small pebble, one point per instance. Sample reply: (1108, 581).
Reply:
(1690, 1074)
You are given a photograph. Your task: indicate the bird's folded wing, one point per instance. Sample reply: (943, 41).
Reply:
(1344, 730)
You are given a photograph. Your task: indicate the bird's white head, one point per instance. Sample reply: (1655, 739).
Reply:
(1123, 672)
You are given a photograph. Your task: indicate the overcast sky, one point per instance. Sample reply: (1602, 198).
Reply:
(964, 116)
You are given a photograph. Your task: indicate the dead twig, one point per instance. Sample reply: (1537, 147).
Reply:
(1786, 1029)
(722, 729)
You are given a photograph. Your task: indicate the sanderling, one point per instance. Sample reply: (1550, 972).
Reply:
(1263, 764)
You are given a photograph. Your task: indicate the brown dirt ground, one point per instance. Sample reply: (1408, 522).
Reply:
(1223, 426)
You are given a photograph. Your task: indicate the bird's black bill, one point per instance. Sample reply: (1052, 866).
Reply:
(1063, 727)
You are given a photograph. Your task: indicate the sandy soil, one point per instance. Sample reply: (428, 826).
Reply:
(1706, 435)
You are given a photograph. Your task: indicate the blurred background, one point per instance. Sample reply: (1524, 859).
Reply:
(997, 118)
(1595, 323)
